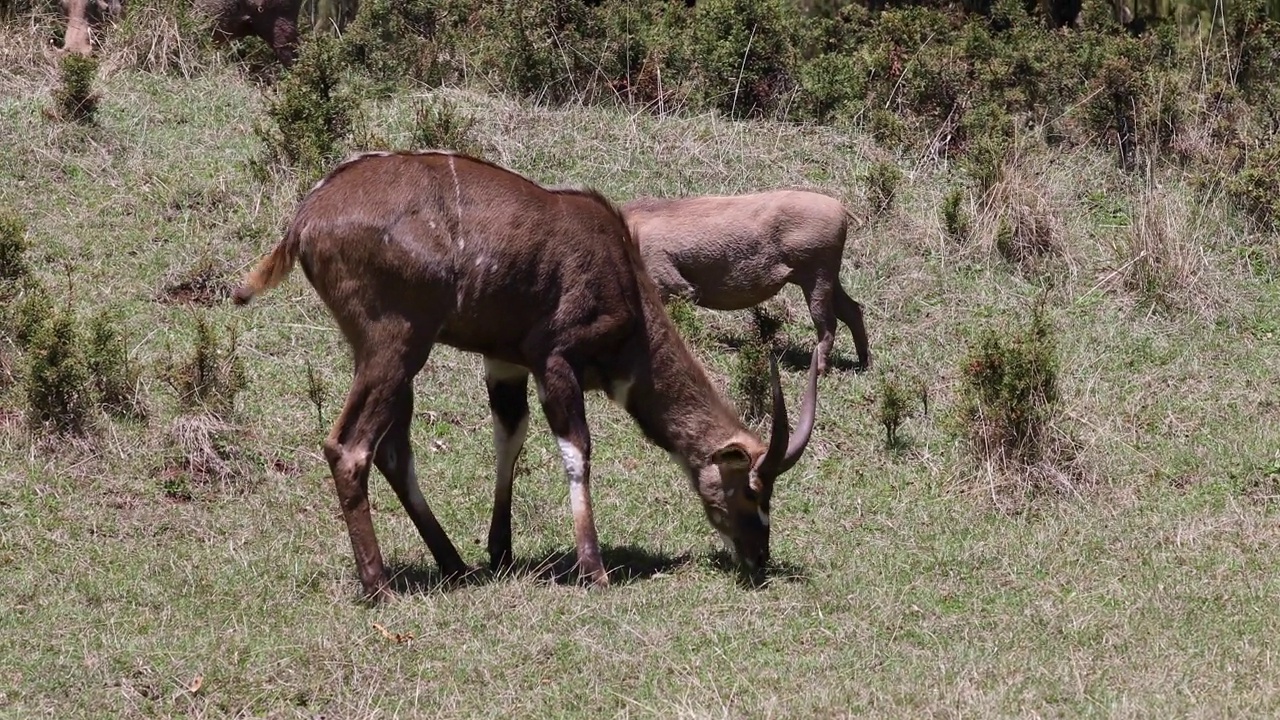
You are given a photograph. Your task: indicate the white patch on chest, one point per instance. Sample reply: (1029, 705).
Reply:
(764, 518)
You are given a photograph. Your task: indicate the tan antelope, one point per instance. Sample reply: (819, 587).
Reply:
(733, 252)
(410, 249)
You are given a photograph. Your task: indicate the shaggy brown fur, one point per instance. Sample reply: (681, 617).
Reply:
(411, 249)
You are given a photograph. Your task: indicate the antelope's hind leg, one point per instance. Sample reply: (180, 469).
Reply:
(394, 459)
(850, 313)
(385, 366)
(819, 296)
(560, 391)
(508, 387)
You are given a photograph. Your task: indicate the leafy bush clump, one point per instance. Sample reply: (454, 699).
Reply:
(58, 376)
(748, 54)
(311, 117)
(74, 98)
(1009, 411)
(210, 378)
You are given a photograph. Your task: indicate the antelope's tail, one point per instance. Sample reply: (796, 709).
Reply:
(272, 269)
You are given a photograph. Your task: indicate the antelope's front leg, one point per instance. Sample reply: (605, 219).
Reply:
(560, 392)
(509, 406)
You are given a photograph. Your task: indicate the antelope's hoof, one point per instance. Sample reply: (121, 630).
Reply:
(459, 573)
(380, 595)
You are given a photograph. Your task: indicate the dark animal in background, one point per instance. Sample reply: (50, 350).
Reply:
(275, 21)
(733, 252)
(410, 249)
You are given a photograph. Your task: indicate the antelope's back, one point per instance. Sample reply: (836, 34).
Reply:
(497, 255)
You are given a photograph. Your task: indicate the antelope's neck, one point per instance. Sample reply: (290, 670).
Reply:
(675, 404)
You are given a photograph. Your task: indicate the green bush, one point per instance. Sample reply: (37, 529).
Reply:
(882, 181)
(310, 118)
(32, 310)
(437, 124)
(750, 381)
(114, 380)
(1256, 188)
(58, 395)
(748, 54)
(955, 222)
(1009, 391)
(14, 267)
(540, 48)
(644, 53)
(211, 377)
(74, 97)
(390, 41)
(986, 136)
(684, 315)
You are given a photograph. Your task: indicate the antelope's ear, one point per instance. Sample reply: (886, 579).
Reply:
(734, 455)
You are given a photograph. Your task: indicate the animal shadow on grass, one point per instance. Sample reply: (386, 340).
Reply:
(775, 571)
(626, 564)
(796, 358)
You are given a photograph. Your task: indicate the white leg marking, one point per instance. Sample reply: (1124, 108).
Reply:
(764, 517)
(574, 467)
(574, 464)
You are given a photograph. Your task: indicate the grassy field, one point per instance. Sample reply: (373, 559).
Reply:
(909, 583)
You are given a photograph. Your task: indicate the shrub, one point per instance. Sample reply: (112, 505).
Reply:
(684, 315)
(439, 125)
(541, 48)
(1256, 188)
(882, 181)
(645, 53)
(114, 380)
(74, 98)
(766, 323)
(894, 408)
(955, 222)
(212, 376)
(32, 311)
(751, 378)
(14, 268)
(310, 118)
(986, 134)
(1009, 391)
(748, 54)
(389, 41)
(57, 376)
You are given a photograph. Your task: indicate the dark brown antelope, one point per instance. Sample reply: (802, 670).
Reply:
(410, 249)
(733, 252)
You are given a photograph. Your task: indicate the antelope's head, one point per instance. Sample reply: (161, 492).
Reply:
(736, 486)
